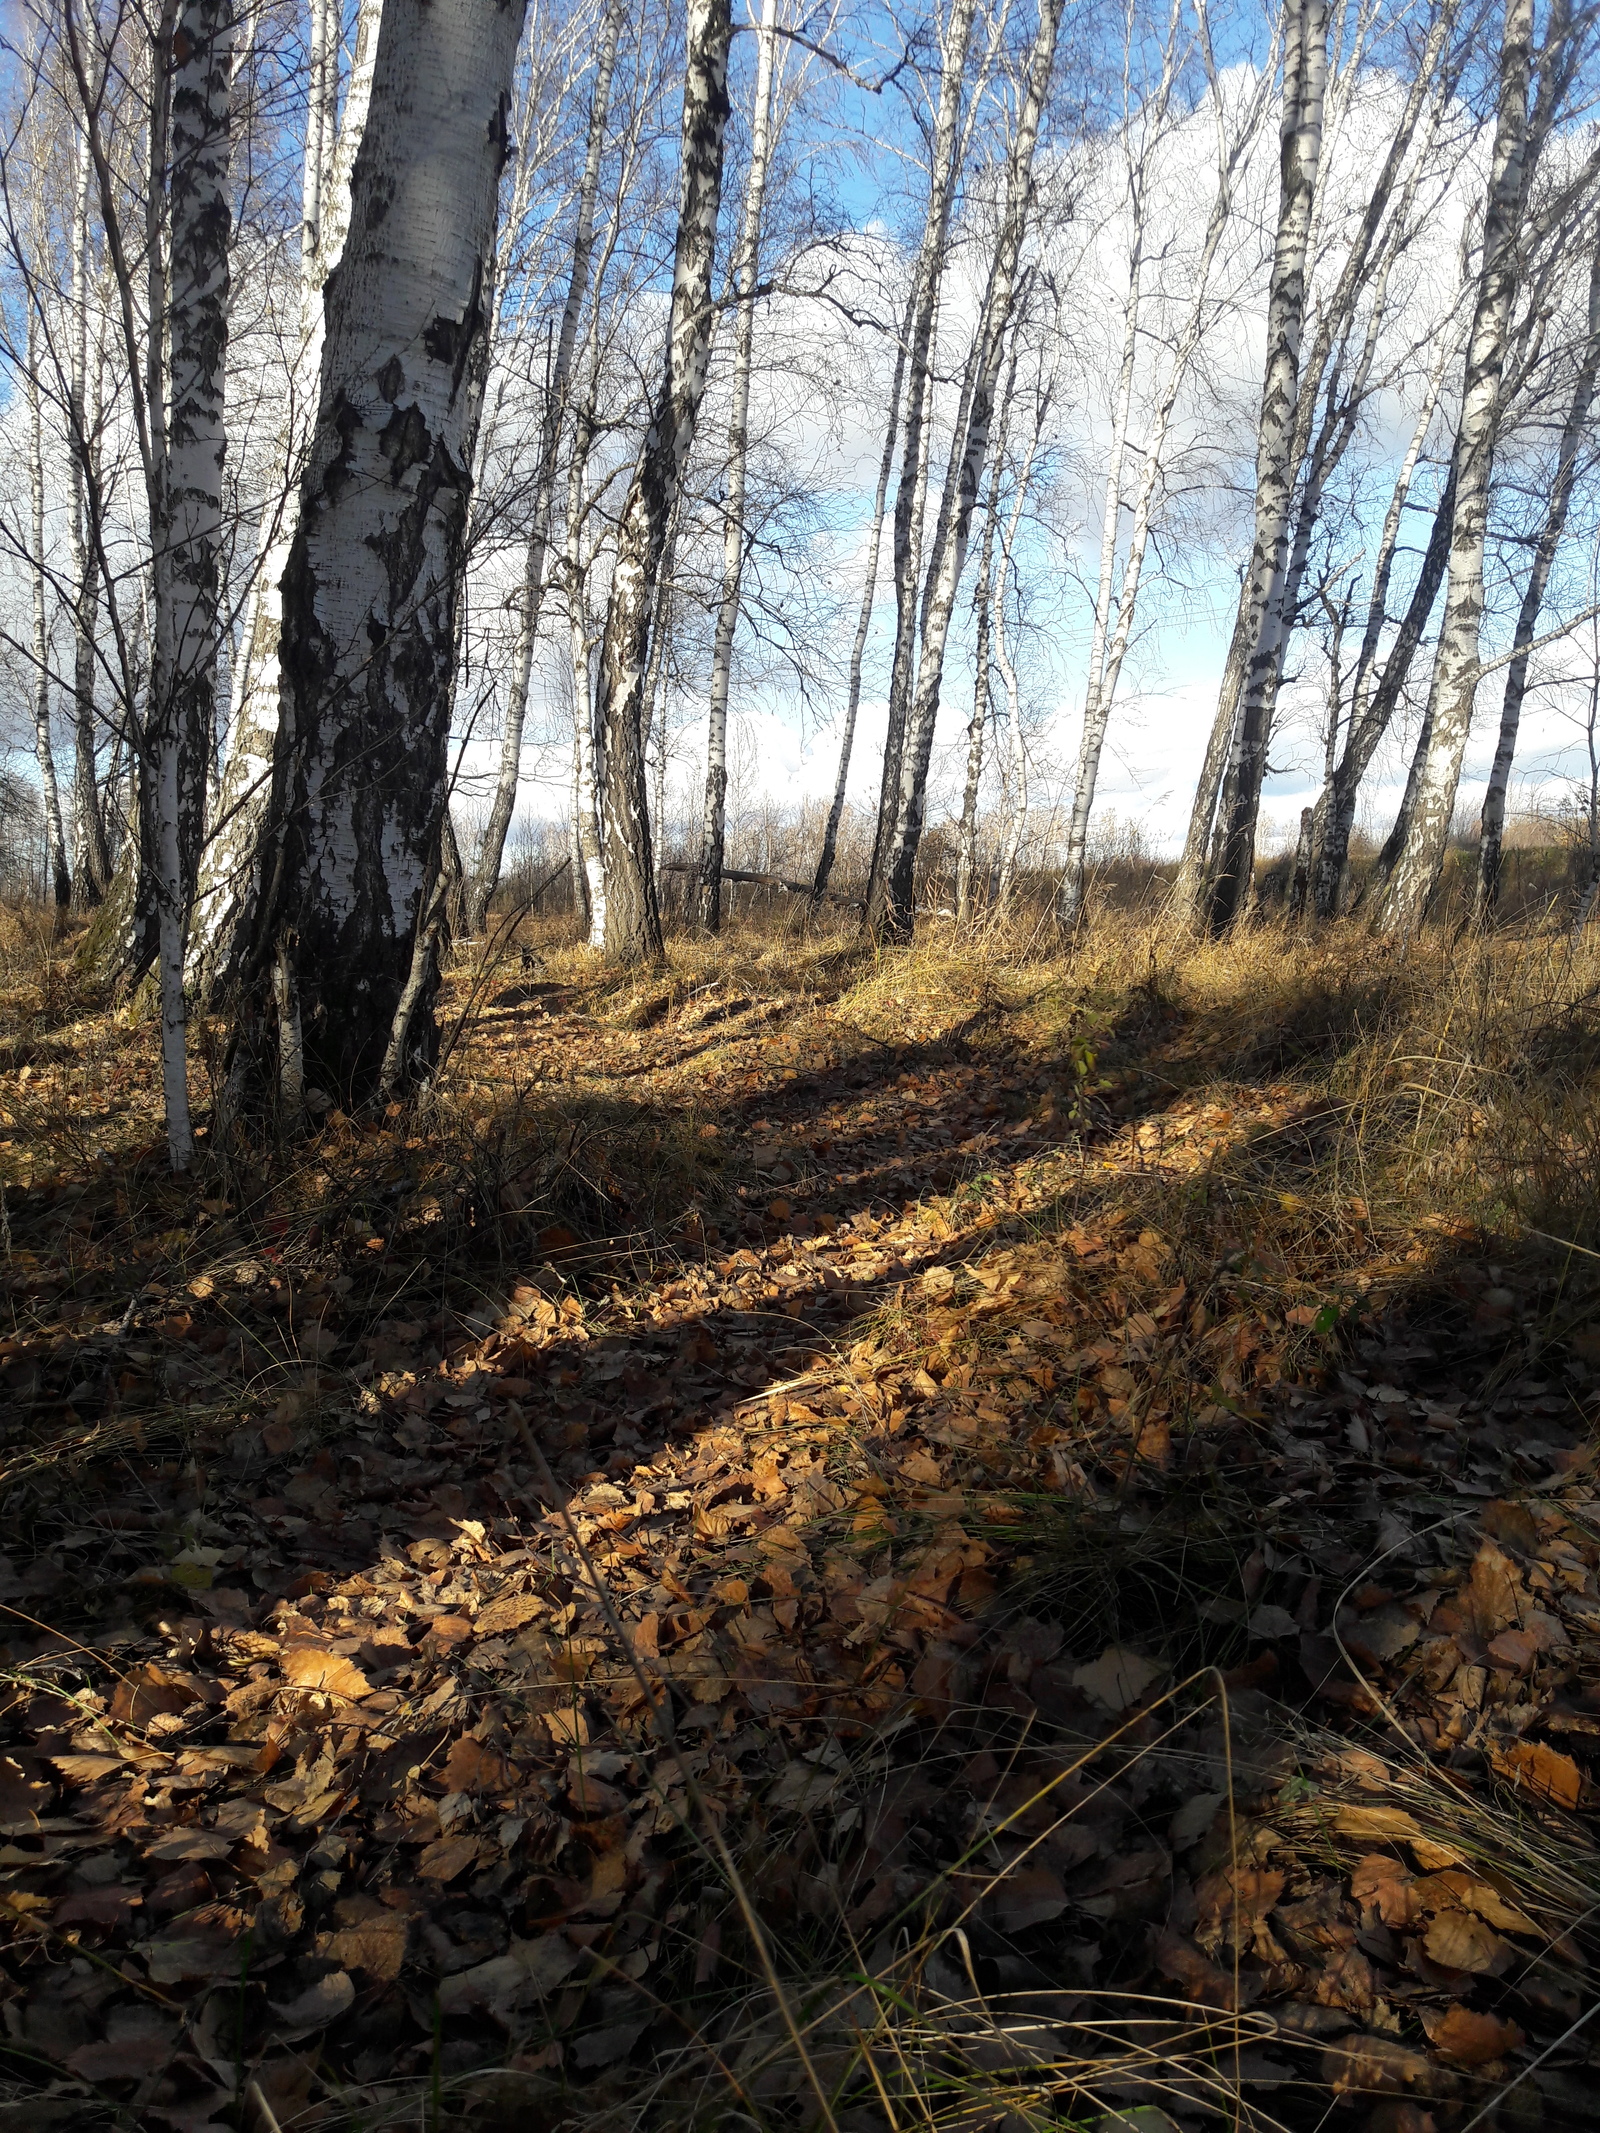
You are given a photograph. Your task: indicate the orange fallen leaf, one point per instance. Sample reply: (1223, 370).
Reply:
(311, 1666)
(1540, 1770)
(1468, 2037)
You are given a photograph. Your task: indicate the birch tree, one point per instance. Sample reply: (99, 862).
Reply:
(231, 874)
(1112, 634)
(978, 723)
(633, 916)
(1574, 436)
(1376, 691)
(893, 907)
(371, 589)
(491, 850)
(858, 644)
(55, 843)
(746, 267)
(91, 856)
(1305, 74)
(906, 548)
(1455, 667)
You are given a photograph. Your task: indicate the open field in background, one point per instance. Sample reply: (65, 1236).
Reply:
(988, 1535)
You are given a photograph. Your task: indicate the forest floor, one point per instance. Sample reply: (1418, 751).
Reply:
(967, 1538)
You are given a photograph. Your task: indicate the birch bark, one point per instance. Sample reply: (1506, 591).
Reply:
(57, 870)
(1100, 696)
(1574, 433)
(370, 594)
(231, 873)
(91, 856)
(1373, 706)
(906, 548)
(1455, 667)
(1304, 91)
(746, 267)
(977, 725)
(486, 870)
(633, 916)
(894, 908)
(858, 648)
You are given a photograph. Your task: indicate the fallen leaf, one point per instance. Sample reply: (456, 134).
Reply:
(1471, 2039)
(1027, 1896)
(151, 1690)
(1193, 1819)
(1542, 1771)
(446, 1857)
(1494, 1591)
(1458, 1941)
(473, 1767)
(310, 1666)
(605, 2046)
(1379, 2066)
(510, 1612)
(1119, 1678)
(370, 1939)
(1385, 1884)
(1460, 1890)
(191, 1844)
(107, 1905)
(315, 2008)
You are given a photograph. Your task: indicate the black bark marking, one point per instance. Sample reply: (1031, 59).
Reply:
(405, 441)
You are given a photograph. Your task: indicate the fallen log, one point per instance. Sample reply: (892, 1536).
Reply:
(770, 881)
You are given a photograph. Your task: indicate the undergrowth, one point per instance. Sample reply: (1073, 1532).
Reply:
(1314, 1130)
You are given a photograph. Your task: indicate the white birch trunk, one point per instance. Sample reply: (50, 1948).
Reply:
(969, 448)
(977, 725)
(486, 870)
(230, 878)
(1373, 703)
(186, 528)
(746, 267)
(370, 594)
(1304, 91)
(858, 647)
(590, 835)
(1017, 751)
(1455, 666)
(1574, 433)
(91, 857)
(1099, 701)
(58, 873)
(633, 916)
(906, 551)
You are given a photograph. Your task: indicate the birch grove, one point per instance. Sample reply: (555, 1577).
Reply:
(617, 498)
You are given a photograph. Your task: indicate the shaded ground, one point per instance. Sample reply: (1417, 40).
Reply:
(918, 1485)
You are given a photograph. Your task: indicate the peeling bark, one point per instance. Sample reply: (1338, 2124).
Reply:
(633, 915)
(370, 594)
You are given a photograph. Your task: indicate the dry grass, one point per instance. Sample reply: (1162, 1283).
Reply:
(1421, 1104)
